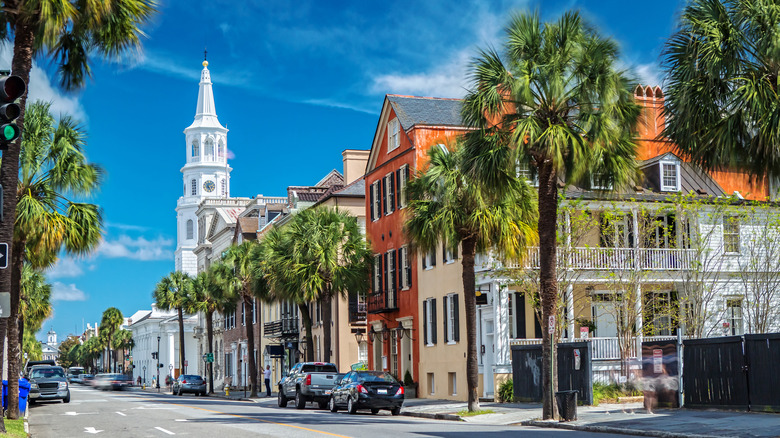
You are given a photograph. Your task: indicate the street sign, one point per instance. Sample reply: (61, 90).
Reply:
(584, 332)
(186, 364)
(658, 361)
(576, 358)
(209, 357)
(551, 326)
(3, 255)
(5, 304)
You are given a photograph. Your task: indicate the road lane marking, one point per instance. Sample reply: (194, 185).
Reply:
(181, 419)
(163, 430)
(121, 413)
(91, 430)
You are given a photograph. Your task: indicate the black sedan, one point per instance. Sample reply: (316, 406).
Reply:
(372, 390)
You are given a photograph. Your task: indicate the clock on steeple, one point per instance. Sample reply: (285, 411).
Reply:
(209, 186)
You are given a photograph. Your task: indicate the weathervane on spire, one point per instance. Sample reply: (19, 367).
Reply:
(205, 57)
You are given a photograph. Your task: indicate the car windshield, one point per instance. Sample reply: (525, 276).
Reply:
(190, 377)
(367, 377)
(46, 373)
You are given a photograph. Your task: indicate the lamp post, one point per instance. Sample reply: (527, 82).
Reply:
(158, 364)
(144, 376)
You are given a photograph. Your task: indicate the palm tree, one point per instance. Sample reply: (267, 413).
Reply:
(556, 102)
(109, 325)
(71, 32)
(123, 340)
(208, 296)
(91, 350)
(239, 273)
(446, 206)
(722, 86)
(322, 255)
(172, 292)
(35, 305)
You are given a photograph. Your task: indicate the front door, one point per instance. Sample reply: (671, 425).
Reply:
(487, 352)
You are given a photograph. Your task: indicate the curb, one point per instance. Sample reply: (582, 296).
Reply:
(448, 417)
(615, 430)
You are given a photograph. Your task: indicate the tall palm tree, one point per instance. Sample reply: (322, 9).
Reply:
(171, 293)
(556, 101)
(446, 206)
(239, 273)
(208, 296)
(319, 255)
(91, 350)
(35, 305)
(109, 325)
(123, 340)
(69, 32)
(722, 92)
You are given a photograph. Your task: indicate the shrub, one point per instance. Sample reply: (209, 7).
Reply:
(611, 392)
(408, 381)
(506, 392)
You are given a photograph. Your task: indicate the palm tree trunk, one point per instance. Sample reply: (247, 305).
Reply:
(250, 344)
(304, 311)
(210, 338)
(14, 343)
(181, 341)
(327, 315)
(470, 301)
(548, 283)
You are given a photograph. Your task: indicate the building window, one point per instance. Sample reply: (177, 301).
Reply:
(390, 267)
(453, 383)
(195, 149)
(670, 177)
(376, 200)
(431, 384)
(243, 314)
(209, 150)
(377, 273)
(734, 317)
(731, 234)
(429, 322)
(389, 193)
(394, 354)
(403, 178)
(524, 171)
(190, 229)
(429, 259)
(393, 137)
(451, 319)
(194, 185)
(450, 254)
(254, 311)
(406, 268)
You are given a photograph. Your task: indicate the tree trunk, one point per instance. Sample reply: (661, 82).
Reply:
(15, 321)
(250, 344)
(470, 301)
(307, 327)
(327, 316)
(181, 341)
(548, 282)
(9, 178)
(210, 338)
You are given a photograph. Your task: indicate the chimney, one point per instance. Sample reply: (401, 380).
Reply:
(355, 161)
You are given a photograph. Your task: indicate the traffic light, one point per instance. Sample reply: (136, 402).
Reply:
(11, 88)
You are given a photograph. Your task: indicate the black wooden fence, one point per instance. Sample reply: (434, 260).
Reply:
(762, 358)
(575, 371)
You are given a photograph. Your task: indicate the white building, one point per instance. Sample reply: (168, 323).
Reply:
(158, 331)
(50, 349)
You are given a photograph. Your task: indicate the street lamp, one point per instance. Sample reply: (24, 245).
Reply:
(158, 364)
(144, 376)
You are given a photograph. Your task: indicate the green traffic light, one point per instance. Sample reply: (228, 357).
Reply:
(10, 132)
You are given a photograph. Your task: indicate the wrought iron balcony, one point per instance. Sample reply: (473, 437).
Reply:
(382, 302)
(357, 312)
(281, 328)
(597, 258)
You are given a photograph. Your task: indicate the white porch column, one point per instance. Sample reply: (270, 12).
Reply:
(570, 310)
(171, 353)
(501, 324)
(639, 322)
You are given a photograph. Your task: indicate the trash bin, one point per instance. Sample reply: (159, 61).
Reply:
(5, 395)
(567, 404)
(24, 391)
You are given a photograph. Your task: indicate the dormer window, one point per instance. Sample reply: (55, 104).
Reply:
(393, 135)
(670, 176)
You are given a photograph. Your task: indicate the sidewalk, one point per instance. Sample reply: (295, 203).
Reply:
(630, 419)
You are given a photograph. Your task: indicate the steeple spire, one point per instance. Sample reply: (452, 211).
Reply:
(205, 112)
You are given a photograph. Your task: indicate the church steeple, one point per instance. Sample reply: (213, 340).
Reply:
(205, 112)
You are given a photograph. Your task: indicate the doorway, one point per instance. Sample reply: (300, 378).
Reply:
(487, 352)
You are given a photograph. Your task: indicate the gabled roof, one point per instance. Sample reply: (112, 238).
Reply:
(692, 178)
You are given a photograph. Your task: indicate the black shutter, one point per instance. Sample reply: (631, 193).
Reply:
(398, 187)
(433, 320)
(455, 252)
(444, 318)
(392, 193)
(433, 256)
(408, 268)
(444, 252)
(520, 331)
(456, 323)
(384, 276)
(424, 262)
(425, 322)
(371, 203)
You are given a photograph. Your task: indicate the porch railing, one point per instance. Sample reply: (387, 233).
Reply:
(597, 258)
(602, 348)
(281, 328)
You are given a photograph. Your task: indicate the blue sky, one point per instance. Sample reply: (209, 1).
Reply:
(295, 85)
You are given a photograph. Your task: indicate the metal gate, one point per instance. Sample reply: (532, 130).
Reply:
(575, 371)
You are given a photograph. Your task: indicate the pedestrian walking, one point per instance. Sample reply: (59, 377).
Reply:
(267, 375)
(139, 380)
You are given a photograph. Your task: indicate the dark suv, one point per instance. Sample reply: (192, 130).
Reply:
(48, 383)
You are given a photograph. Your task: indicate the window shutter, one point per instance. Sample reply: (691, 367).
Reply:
(408, 267)
(433, 320)
(398, 187)
(385, 272)
(392, 192)
(455, 253)
(445, 318)
(396, 276)
(433, 256)
(456, 324)
(444, 251)
(425, 261)
(371, 203)
(383, 189)
(425, 322)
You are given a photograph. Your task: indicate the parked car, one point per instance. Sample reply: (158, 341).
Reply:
(308, 382)
(87, 379)
(372, 390)
(31, 363)
(112, 381)
(48, 383)
(189, 383)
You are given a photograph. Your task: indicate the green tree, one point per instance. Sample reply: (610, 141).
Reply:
(67, 356)
(722, 102)
(208, 296)
(445, 206)
(109, 325)
(90, 350)
(69, 32)
(172, 293)
(35, 305)
(240, 273)
(123, 340)
(556, 103)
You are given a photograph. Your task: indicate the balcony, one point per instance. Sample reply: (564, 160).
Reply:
(382, 302)
(595, 258)
(357, 312)
(281, 328)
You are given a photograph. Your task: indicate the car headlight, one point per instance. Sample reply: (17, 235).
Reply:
(33, 386)
(63, 385)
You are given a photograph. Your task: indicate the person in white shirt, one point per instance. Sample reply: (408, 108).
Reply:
(267, 375)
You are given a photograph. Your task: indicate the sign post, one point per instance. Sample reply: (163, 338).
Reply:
(5, 304)
(551, 331)
(3, 255)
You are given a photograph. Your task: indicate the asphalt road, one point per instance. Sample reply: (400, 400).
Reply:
(141, 414)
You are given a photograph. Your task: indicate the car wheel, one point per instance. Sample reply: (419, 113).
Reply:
(300, 402)
(180, 392)
(281, 399)
(351, 408)
(332, 404)
(395, 411)
(67, 398)
(322, 404)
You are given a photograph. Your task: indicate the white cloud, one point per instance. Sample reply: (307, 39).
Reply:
(649, 74)
(65, 268)
(137, 248)
(42, 88)
(66, 292)
(447, 79)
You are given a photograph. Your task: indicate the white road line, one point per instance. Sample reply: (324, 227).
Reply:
(121, 413)
(181, 419)
(163, 430)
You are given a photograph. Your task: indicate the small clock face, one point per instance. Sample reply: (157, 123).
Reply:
(208, 186)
